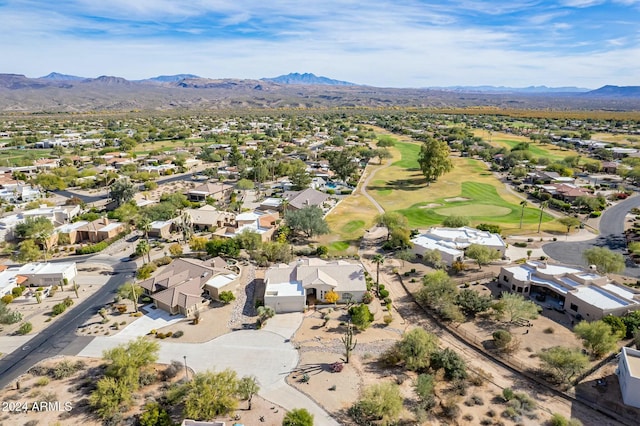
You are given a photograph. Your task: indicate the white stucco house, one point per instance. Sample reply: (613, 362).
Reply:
(628, 372)
(288, 288)
(582, 293)
(451, 242)
(36, 275)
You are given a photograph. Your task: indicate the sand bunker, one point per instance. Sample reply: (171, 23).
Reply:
(453, 200)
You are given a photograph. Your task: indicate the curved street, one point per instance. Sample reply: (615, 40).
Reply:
(611, 236)
(60, 338)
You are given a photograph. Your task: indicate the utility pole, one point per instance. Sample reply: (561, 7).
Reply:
(186, 370)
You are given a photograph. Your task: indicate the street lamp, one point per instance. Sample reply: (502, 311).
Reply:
(186, 370)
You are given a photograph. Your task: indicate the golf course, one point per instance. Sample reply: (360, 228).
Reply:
(469, 190)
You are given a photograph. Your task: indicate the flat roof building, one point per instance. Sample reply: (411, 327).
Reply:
(584, 294)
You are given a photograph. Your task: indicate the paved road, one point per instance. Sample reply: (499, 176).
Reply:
(611, 236)
(60, 338)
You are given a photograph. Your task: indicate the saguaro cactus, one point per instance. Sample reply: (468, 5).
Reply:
(349, 344)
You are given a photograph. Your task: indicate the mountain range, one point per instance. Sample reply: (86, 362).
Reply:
(57, 92)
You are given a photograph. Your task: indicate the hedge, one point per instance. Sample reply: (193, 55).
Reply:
(95, 248)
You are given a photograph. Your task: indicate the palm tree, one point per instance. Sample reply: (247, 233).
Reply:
(523, 203)
(543, 205)
(378, 259)
(144, 224)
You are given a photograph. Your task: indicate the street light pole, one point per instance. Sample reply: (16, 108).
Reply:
(186, 370)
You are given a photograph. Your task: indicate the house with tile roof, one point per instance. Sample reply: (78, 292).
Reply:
(297, 200)
(288, 288)
(186, 285)
(217, 191)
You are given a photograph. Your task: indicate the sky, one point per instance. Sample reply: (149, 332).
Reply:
(384, 43)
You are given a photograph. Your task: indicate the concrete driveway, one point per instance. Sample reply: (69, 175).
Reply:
(266, 354)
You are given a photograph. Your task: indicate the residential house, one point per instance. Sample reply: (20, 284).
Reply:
(180, 287)
(296, 200)
(451, 242)
(263, 223)
(45, 274)
(628, 373)
(98, 230)
(565, 192)
(288, 288)
(58, 215)
(160, 229)
(208, 217)
(609, 167)
(583, 294)
(217, 191)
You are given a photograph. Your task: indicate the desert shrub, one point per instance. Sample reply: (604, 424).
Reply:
(494, 229)
(337, 367)
(42, 381)
(169, 333)
(367, 298)
(122, 308)
(548, 330)
(387, 319)
(65, 369)
(25, 328)
(387, 300)
(58, 309)
(164, 260)
(384, 293)
(178, 334)
(322, 250)
(450, 408)
(172, 370)
(226, 297)
(520, 244)
(17, 291)
(147, 378)
(508, 394)
(67, 302)
(502, 338)
(7, 299)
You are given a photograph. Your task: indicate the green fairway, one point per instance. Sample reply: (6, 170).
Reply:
(483, 204)
(409, 152)
(477, 210)
(353, 226)
(339, 246)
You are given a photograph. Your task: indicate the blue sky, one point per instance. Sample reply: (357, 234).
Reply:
(386, 43)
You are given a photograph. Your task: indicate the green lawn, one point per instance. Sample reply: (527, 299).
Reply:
(483, 204)
(353, 226)
(409, 153)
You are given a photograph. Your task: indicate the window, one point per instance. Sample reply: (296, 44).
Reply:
(513, 287)
(505, 278)
(519, 289)
(573, 307)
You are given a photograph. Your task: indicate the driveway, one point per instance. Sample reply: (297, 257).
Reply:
(611, 236)
(266, 354)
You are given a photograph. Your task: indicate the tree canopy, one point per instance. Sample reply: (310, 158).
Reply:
(516, 307)
(122, 191)
(597, 337)
(606, 261)
(482, 254)
(434, 159)
(308, 221)
(563, 363)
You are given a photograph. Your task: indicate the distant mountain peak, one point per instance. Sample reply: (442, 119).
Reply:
(307, 78)
(507, 90)
(61, 77)
(108, 79)
(171, 78)
(610, 91)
